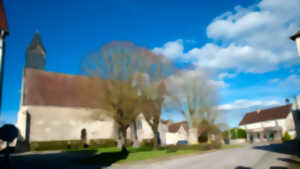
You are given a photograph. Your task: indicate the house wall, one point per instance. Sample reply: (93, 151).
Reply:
(48, 123)
(173, 138)
(296, 116)
(144, 130)
(286, 124)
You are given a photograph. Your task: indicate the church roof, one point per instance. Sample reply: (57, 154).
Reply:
(3, 23)
(55, 89)
(266, 114)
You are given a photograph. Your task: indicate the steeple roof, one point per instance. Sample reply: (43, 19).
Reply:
(3, 23)
(37, 42)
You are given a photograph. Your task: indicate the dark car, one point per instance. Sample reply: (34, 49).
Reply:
(182, 142)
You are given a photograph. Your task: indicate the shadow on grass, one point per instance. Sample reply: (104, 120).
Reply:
(104, 159)
(46, 160)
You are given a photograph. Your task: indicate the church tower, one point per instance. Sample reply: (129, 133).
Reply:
(36, 53)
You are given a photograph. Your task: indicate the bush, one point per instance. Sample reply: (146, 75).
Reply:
(200, 147)
(129, 143)
(70, 144)
(237, 133)
(225, 134)
(55, 145)
(103, 142)
(147, 143)
(286, 137)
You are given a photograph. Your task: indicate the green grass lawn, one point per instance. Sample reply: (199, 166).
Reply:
(108, 156)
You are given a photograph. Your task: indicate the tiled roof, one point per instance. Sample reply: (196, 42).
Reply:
(266, 114)
(49, 88)
(3, 23)
(174, 127)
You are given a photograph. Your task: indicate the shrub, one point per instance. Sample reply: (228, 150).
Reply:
(237, 133)
(225, 134)
(55, 145)
(286, 137)
(147, 143)
(103, 142)
(129, 143)
(70, 144)
(200, 147)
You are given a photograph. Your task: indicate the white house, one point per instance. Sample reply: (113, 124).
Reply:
(177, 132)
(296, 113)
(268, 124)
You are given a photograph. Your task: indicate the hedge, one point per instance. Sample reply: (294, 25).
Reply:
(200, 147)
(147, 142)
(70, 144)
(237, 133)
(103, 142)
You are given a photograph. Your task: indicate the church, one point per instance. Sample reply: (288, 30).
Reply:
(57, 107)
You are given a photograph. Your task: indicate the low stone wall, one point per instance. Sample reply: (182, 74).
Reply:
(238, 141)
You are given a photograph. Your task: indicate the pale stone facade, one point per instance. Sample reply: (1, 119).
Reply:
(261, 131)
(174, 137)
(49, 123)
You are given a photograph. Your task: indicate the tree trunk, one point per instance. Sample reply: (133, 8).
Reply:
(155, 136)
(124, 139)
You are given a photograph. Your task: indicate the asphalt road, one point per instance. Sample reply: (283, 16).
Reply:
(275, 156)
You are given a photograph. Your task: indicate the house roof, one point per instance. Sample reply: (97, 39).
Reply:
(174, 127)
(3, 23)
(295, 35)
(55, 89)
(266, 114)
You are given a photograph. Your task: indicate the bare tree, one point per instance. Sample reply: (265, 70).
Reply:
(152, 89)
(195, 97)
(151, 105)
(118, 62)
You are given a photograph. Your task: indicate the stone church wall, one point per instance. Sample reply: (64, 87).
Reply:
(49, 123)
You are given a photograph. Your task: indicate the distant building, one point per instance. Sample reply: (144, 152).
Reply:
(177, 132)
(268, 124)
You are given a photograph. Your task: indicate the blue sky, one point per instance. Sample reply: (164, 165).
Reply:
(243, 43)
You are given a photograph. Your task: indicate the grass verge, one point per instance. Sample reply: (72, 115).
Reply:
(108, 156)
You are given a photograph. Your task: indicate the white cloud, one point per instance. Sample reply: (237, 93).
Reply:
(172, 49)
(253, 39)
(218, 83)
(224, 75)
(241, 58)
(198, 75)
(246, 104)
